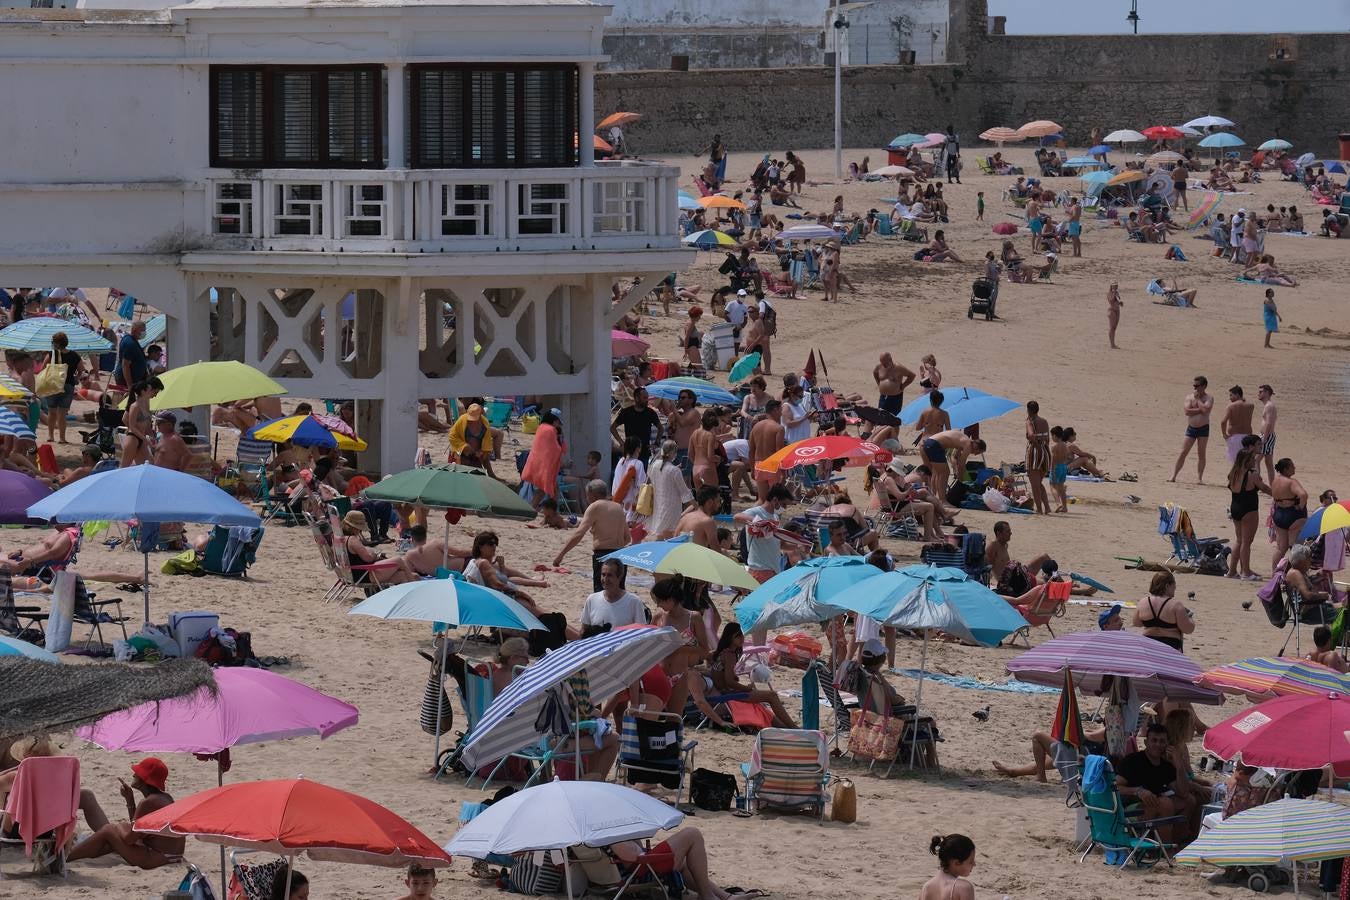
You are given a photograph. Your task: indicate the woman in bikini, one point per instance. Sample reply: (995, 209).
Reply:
(685, 679)
(136, 447)
(1038, 456)
(722, 670)
(1113, 305)
(752, 407)
(1161, 618)
(930, 379)
(691, 339)
(1291, 507)
(956, 856)
(1245, 486)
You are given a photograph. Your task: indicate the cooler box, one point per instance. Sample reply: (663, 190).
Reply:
(191, 628)
(724, 344)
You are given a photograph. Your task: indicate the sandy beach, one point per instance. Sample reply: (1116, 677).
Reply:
(1051, 346)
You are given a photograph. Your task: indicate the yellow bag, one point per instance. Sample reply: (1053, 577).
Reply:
(51, 380)
(529, 424)
(645, 500)
(844, 803)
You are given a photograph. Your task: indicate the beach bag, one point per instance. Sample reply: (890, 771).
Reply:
(844, 802)
(196, 885)
(876, 736)
(645, 500)
(63, 612)
(529, 423)
(1338, 627)
(435, 701)
(51, 380)
(1271, 595)
(995, 500)
(713, 791)
(532, 874)
(748, 715)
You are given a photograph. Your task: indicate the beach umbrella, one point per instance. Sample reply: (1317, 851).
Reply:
(613, 660)
(1210, 122)
(1039, 128)
(681, 556)
(1209, 202)
(1276, 144)
(1067, 727)
(1101, 176)
(35, 336)
(744, 367)
(148, 494)
(453, 486)
(1333, 517)
(1282, 833)
(601, 144)
(1100, 149)
(1082, 162)
(1001, 135)
(155, 329)
(708, 239)
(1222, 139)
(1163, 133)
(617, 118)
(1165, 158)
(808, 233)
(1291, 732)
(1305, 159)
(12, 390)
(802, 594)
(13, 426)
(705, 392)
(1156, 669)
(18, 492)
(686, 201)
(906, 140)
(1188, 131)
(205, 383)
(932, 139)
(14, 647)
(1334, 166)
(893, 170)
(964, 405)
(717, 201)
(621, 343)
(303, 431)
(827, 447)
(1126, 177)
(1124, 136)
(1264, 677)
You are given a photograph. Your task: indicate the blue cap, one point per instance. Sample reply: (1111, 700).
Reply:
(1107, 616)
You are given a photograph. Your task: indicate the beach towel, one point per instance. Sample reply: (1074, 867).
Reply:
(1096, 774)
(1243, 279)
(45, 797)
(966, 682)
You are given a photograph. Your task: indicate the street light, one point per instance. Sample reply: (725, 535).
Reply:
(840, 24)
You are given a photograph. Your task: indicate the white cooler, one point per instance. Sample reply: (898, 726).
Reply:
(724, 343)
(191, 628)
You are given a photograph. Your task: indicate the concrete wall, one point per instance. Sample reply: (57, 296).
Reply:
(878, 32)
(1080, 82)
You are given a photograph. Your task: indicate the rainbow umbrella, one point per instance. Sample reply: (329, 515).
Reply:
(1334, 517)
(1204, 209)
(744, 367)
(1286, 831)
(708, 239)
(304, 431)
(1264, 677)
(1067, 727)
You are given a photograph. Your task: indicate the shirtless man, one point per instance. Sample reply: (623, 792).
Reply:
(934, 451)
(426, 556)
(1075, 216)
(89, 457)
(605, 521)
(1237, 421)
(999, 554)
(1266, 394)
(703, 451)
(756, 338)
(682, 422)
(891, 379)
(146, 851)
(1326, 650)
(171, 451)
(698, 521)
(766, 439)
(1033, 212)
(1197, 408)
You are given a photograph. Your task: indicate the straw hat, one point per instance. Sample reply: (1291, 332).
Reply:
(474, 412)
(32, 745)
(354, 522)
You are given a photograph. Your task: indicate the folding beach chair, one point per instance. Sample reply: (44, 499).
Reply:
(213, 557)
(853, 236)
(474, 700)
(1112, 829)
(788, 769)
(346, 573)
(44, 803)
(1048, 605)
(653, 752)
(843, 721)
(1174, 523)
(251, 459)
(810, 271)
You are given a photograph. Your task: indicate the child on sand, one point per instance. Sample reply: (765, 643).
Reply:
(956, 856)
(420, 881)
(1059, 467)
(979, 207)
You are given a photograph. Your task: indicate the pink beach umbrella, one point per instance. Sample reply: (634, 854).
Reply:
(1156, 670)
(625, 344)
(933, 139)
(1293, 732)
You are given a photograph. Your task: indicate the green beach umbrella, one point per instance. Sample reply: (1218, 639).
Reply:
(744, 366)
(453, 486)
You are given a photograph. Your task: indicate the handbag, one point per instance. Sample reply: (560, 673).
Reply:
(876, 736)
(533, 874)
(844, 802)
(436, 702)
(646, 500)
(51, 380)
(713, 791)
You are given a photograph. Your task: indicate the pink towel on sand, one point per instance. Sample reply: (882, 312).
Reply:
(45, 797)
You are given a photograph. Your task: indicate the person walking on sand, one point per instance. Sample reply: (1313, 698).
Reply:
(1075, 214)
(1059, 468)
(1266, 394)
(1271, 315)
(1038, 456)
(1034, 222)
(1113, 305)
(1197, 408)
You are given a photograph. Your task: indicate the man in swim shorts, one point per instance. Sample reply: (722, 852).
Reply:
(891, 379)
(1198, 405)
(1266, 394)
(1075, 213)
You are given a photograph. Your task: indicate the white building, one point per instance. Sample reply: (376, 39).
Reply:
(422, 153)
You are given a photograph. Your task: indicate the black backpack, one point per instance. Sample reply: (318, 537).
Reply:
(555, 637)
(713, 791)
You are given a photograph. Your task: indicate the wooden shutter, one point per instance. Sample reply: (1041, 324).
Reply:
(354, 126)
(438, 120)
(236, 117)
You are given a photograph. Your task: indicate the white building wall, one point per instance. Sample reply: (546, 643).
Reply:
(879, 31)
(715, 14)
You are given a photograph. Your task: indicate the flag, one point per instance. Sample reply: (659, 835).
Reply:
(1067, 727)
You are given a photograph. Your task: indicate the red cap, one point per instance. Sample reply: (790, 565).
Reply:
(152, 771)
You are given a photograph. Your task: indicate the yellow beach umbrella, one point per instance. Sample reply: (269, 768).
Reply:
(1127, 177)
(12, 390)
(205, 383)
(305, 431)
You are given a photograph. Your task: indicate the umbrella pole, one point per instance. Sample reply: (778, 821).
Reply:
(567, 872)
(445, 545)
(918, 700)
(290, 867)
(145, 587)
(224, 887)
(440, 708)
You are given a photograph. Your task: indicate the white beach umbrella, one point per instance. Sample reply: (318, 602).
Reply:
(1124, 136)
(1209, 122)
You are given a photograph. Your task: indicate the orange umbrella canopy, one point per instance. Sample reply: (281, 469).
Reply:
(825, 448)
(717, 201)
(601, 144)
(1039, 128)
(618, 118)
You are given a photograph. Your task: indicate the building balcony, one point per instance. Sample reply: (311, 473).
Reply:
(613, 205)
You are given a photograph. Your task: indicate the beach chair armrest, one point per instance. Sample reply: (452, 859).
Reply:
(1149, 824)
(687, 746)
(375, 566)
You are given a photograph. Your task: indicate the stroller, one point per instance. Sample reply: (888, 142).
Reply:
(981, 299)
(108, 419)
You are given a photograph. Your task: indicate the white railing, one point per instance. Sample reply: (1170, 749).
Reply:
(612, 205)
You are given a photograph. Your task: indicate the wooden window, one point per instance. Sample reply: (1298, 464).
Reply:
(493, 116)
(297, 117)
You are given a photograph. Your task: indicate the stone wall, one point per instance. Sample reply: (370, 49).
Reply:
(1081, 82)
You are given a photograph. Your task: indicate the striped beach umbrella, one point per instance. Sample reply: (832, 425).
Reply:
(35, 336)
(1263, 677)
(1278, 833)
(612, 661)
(1155, 669)
(12, 390)
(1204, 209)
(12, 426)
(1068, 727)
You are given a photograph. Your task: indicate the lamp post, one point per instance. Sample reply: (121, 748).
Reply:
(840, 24)
(1133, 17)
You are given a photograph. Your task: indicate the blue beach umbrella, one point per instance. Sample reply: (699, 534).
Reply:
(15, 647)
(1334, 166)
(802, 594)
(965, 406)
(906, 140)
(1222, 139)
(1101, 176)
(13, 426)
(707, 393)
(35, 336)
(1051, 140)
(1102, 149)
(148, 494)
(1081, 162)
(708, 239)
(687, 201)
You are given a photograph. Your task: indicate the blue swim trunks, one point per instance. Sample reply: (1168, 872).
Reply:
(1075, 229)
(1059, 473)
(1036, 225)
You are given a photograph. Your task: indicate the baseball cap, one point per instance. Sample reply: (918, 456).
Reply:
(741, 293)
(874, 647)
(166, 416)
(152, 771)
(1108, 615)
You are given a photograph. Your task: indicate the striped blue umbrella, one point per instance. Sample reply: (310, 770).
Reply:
(613, 661)
(1278, 833)
(16, 647)
(12, 426)
(705, 392)
(35, 336)
(1081, 162)
(155, 327)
